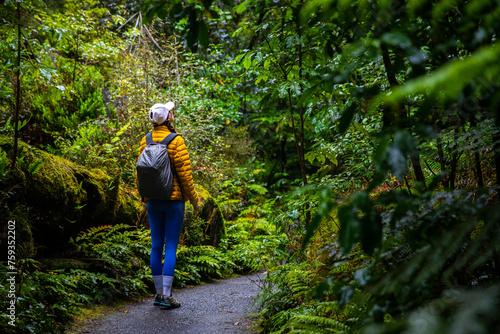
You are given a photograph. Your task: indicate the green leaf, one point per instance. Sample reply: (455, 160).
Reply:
(346, 117)
(333, 158)
(310, 156)
(242, 7)
(247, 63)
(306, 95)
(257, 188)
(47, 72)
(349, 227)
(397, 39)
(35, 166)
(260, 78)
(460, 72)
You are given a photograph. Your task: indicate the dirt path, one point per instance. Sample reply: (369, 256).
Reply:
(213, 308)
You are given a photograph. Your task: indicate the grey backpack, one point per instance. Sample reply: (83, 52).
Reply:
(155, 178)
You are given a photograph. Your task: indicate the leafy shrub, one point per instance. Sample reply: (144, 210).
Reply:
(46, 300)
(119, 250)
(201, 263)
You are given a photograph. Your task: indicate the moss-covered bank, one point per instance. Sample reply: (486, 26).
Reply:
(61, 198)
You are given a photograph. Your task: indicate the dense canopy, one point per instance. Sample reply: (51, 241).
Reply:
(351, 148)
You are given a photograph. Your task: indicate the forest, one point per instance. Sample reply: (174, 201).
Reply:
(349, 149)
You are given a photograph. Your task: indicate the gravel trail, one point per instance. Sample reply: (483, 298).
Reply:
(219, 307)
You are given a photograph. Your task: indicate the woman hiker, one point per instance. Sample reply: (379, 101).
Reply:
(166, 216)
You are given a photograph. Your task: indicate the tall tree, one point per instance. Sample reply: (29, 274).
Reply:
(18, 85)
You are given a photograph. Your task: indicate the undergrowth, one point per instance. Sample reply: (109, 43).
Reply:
(438, 260)
(109, 263)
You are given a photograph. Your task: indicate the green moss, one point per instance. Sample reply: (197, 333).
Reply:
(64, 198)
(128, 205)
(206, 228)
(212, 214)
(202, 192)
(54, 183)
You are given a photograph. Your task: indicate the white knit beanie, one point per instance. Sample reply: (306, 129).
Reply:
(159, 112)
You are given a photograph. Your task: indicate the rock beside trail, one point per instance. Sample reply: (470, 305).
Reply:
(57, 198)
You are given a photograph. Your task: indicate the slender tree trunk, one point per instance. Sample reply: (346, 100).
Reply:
(177, 74)
(417, 168)
(496, 149)
(453, 169)
(391, 77)
(479, 172)
(302, 153)
(297, 140)
(477, 159)
(18, 87)
(301, 118)
(441, 162)
(283, 156)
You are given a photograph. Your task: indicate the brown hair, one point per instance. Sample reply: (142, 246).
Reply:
(168, 125)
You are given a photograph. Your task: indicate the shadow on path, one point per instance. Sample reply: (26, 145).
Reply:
(212, 308)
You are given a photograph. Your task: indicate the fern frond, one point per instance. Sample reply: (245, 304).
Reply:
(317, 324)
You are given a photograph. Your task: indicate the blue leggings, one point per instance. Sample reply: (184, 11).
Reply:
(165, 222)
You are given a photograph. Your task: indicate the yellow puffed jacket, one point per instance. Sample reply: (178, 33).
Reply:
(179, 158)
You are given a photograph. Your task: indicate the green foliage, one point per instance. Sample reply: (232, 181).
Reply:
(4, 167)
(201, 263)
(120, 250)
(111, 262)
(378, 110)
(289, 306)
(455, 311)
(47, 299)
(253, 244)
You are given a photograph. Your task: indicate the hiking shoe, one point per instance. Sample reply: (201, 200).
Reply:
(168, 303)
(157, 301)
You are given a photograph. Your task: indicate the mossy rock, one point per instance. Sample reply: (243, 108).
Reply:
(215, 228)
(206, 228)
(64, 198)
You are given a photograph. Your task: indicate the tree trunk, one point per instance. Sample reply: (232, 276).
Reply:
(477, 159)
(298, 140)
(453, 170)
(441, 161)
(417, 168)
(496, 149)
(18, 87)
(403, 115)
(301, 119)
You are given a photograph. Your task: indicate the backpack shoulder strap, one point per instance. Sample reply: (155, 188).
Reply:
(168, 139)
(149, 138)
